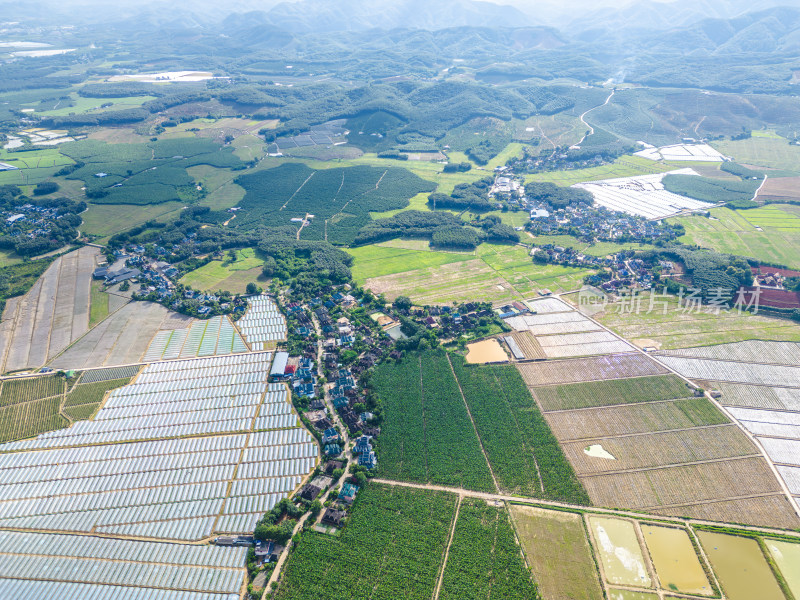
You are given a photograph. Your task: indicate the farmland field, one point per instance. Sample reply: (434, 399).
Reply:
(588, 369)
(232, 276)
(103, 220)
(634, 418)
(659, 449)
(53, 314)
(484, 561)
(772, 152)
(625, 166)
(524, 454)
(392, 547)
(119, 340)
(671, 326)
(495, 273)
(735, 232)
(607, 393)
(379, 260)
(84, 399)
(427, 434)
(558, 553)
(340, 199)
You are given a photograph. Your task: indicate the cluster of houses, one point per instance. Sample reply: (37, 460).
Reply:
(451, 322)
(773, 277)
(596, 224)
(157, 280)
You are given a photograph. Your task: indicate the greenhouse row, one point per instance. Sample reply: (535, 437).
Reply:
(195, 379)
(94, 571)
(276, 422)
(81, 546)
(18, 588)
(188, 529)
(118, 483)
(273, 409)
(126, 451)
(238, 523)
(201, 363)
(217, 336)
(114, 499)
(225, 391)
(122, 411)
(201, 428)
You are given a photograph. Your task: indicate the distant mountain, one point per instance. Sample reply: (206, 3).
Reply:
(655, 15)
(309, 16)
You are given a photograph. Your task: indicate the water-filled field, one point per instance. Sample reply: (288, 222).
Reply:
(675, 560)
(740, 566)
(620, 553)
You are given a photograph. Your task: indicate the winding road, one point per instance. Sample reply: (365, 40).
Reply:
(583, 119)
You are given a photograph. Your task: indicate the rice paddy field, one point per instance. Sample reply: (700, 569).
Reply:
(493, 273)
(768, 234)
(669, 326)
(766, 150)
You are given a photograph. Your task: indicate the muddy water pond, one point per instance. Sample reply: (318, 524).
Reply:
(487, 351)
(620, 553)
(675, 560)
(787, 557)
(740, 566)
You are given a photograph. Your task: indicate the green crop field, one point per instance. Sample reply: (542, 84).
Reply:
(17, 391)
(514, 264)
(392, 547)
(625, 166)
(104, 220)
(98, 303)
(615, 391)
(678, 327)
(484, 561)
(734, 232)
(232, 276)
(427, 435)
(84, 399)
(30, 406)
(769, 151)
(378, 260)
(523, 452)
(496, 272)
(782, 218)
(33, 167)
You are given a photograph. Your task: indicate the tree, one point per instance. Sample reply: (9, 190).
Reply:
(402, 303)
(252, 288)
(316, 508)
